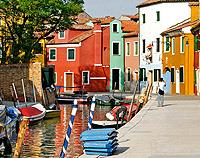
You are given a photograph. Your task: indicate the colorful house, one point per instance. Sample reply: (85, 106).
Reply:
(155, 17)
(131, 46)
(196, 32)
(81, 56)
(178, 58)
(116, 56)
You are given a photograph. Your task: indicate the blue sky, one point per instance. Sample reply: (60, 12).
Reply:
(102, 8)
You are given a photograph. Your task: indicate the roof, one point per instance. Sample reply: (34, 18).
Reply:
(196, 26)
(180, 26)
(151, 2)
(136, 16)
(129, 26)
(194, 3)
(131, 34)
(104, 20)
(81, 37)
(81, 27)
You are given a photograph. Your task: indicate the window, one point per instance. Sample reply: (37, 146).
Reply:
(55, 77)
(181, 74)
(143, 45)
(172, 74)
(167, 44)
(182, 44)
(157, 74)
(173, 46)
(157, 44)
(85, 77)
(116, 48)
(115, 28)
(142, 74)
(52, 54)
(143, 18)
(128, 48)
(71, 54)
(158, 16)
(61, 35)
(136, 48)
(128, 74)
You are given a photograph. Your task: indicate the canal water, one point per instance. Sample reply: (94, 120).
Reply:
(45, 139)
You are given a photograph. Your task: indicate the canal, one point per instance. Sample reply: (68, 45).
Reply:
(45, 139)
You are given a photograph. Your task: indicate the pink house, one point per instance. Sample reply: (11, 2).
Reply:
(131, 44)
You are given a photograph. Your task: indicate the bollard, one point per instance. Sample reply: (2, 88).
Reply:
(69, 129)
(91, 113)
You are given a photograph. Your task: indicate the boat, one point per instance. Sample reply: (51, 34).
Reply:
(9, 124)
(106, 100)
(68, 98)
(107, 124)
(34, 112)
(52, 114)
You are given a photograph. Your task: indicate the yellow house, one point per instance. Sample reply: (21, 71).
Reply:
(178, 54)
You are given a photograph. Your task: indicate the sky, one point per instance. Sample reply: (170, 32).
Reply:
(116, 8)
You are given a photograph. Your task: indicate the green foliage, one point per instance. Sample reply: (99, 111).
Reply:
(26, 22)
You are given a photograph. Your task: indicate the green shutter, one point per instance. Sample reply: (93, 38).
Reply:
(167, 44)
(71, 55)
(196, 43)
(52, 54)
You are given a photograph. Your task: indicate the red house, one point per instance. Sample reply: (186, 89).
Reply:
(81, 56)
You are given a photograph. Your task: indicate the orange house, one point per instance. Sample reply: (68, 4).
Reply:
(178, 57)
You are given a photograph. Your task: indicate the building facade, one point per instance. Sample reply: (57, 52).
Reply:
(155, 17)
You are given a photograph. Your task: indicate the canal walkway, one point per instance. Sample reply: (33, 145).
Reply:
(172, 131)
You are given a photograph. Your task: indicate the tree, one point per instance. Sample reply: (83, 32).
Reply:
(24, 23)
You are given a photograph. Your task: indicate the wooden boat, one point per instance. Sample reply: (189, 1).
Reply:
(34, 112)
(52, 114)
(107, 124)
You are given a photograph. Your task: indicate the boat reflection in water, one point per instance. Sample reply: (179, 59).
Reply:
(45, 140)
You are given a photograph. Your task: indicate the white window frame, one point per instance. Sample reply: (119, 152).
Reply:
(74, 54)
(134, 54)
(173, 45)
(119, 48)
(50, 54)
(165, 44)
(182, 46)
(127, 48)
(183, 74)
(55, 77)
(59, 35)
(113, 27)
(88, 78)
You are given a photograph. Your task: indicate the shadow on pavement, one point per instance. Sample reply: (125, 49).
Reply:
(120, 150)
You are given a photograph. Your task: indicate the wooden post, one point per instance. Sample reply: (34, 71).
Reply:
(132, 101)
(20, 137)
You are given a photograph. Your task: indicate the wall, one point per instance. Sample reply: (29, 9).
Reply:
(14, 73)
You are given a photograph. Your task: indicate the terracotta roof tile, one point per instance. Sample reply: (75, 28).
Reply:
(129, 26)
(104, 20)
(150, 2)
(81, 37)
(81, 27)
(131, 34)
(180, 26)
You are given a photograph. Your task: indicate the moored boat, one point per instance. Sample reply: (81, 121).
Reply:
(34, 112)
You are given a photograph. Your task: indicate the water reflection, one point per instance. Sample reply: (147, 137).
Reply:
(45, 139)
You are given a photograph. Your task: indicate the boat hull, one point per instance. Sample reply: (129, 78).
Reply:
(52, 114)
(107, 124)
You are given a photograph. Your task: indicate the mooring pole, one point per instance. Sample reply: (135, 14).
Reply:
(91, 113)
(69, 129)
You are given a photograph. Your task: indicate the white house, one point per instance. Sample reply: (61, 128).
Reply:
(155, 17)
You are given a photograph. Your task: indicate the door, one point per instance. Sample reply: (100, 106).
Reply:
(115, 79)
(68, 82)
(167, 79)
(177, 81)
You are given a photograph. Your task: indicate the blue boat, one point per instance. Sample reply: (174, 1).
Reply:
(9, 124)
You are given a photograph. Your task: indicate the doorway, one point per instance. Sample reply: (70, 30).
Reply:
(177, 81)
(115, 79)
(69, 81)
